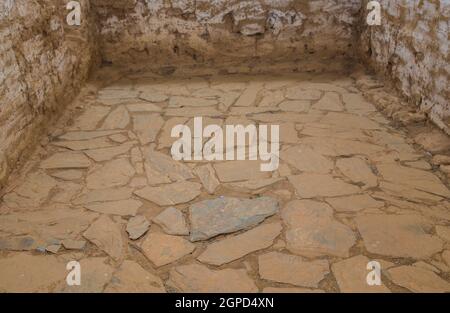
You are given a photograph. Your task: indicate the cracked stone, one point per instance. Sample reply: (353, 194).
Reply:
(166, 166)
(86, 135)
(415, 178)
(95, 274)
(329, 102)
(248, 97)
(107, 236)
(131, 277)
(199, 279)
(223, 215)
(153, 96)
(443, 232)
(143, 107)
(162, 249)
(208, 178)
(117, 119)
(193, 112)
(172, 222)
(165, 139)
(233, 171)
(354, 203)
(112, 174)
(170, 194)
(398, 235)
(30, 273)
(236, 247)
(321, 185)
(435, 141)
(66, 160)
(71, 244)
(119, 138)
(68, 174)
(418, 279)
(347, 120)
(300, 106)
(137, 226)
(22, 243)
(296, 93)
(254, 186)
(180, 102)
(80, 145)
(120, 207)
(106, 154)
(351, 276)
(312, 230)
(101, 195)
(90, 118)
(292, 269)
(357, 171)
(147, 127)
(32, 192)
(355, 103)
(306, 159)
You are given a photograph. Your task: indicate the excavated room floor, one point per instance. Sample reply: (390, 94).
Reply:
(103, 190)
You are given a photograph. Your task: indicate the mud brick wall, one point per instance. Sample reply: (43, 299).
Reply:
(149, 32)
(411, 48)
(43, 63)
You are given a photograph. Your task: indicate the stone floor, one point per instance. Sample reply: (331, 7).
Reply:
(103, 190)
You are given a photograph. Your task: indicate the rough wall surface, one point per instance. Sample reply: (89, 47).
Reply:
(411, 48)
(43, 63)
(151, 32)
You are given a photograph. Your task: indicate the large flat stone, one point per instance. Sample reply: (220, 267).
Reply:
(33, 192)
(351, 275)
(131, 277)
(162, 249)
(117, 119)
(402, 236)
(112, 174)
(232, 171)
(170, 194)
(120, 207)
(95, 274)
(418, 279)
(167, 166)
(66, 160)
(100, 195)
(208, 177)
(415, 178)
(137, 226)
(312, 230)
(106, 154)
(30, 273)
(224, 215)
(236, 247)
(354, 203)
(107, 236)
(292, 269)
(147, 127)
(306, 159)
(358, 171)
(172, 222)
(199, 278)
(321, 185)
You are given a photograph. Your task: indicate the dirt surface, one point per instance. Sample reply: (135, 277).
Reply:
(352, 187)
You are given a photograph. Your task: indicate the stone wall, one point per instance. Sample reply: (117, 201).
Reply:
(410, 48)
(153, 32)
(43, 63)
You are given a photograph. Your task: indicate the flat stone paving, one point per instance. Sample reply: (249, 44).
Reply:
(350, 189)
